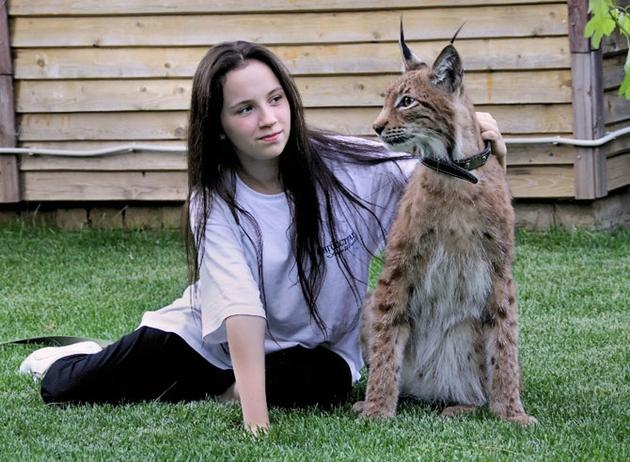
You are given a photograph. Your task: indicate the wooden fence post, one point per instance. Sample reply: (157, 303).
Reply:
(9, 187)
(588, 105)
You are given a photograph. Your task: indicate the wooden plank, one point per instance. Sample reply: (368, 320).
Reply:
(137, 161)
(525, 182)
(516, 119)
(542, 181)
(116, 7)
(613, 71)
(618, 169)
(590, 170)
(587, 95)
(578, 16)
(6, 67)
(616, 108)
(103, 95)
(104, 186)
(105, 126)
(618, 146)
(361, 58)
(588, 114)
(98, 144)
(540, 154)
(281, 28)
(9, 180)
(320, 91)
(614, 43)
(616, 126)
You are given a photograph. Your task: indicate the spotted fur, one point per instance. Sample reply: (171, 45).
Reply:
(441, 325)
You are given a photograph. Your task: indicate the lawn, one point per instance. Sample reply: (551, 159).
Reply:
(574, 294)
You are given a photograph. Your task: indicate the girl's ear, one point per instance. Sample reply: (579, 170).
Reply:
(448, 72)
(410, 61)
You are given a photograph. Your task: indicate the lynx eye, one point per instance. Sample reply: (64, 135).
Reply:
(406, 102)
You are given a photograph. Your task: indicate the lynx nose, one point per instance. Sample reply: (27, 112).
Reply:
(378, 128)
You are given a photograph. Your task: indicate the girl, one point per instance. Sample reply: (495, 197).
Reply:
(283, 223)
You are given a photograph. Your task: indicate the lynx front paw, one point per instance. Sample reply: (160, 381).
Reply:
(513, 413)
(372, 411)
(522, 419)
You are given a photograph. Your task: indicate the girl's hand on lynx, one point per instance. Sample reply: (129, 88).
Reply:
(490, 131)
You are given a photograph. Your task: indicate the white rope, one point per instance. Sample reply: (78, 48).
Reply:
(572, 141)
(181, 150)
(93, 152)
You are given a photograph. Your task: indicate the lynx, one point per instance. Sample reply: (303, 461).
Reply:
(441, 324)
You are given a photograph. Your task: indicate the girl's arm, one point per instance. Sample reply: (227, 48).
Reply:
(231, 309)
(246, 341)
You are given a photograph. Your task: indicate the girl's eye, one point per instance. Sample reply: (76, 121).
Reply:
(276, 98)
(244, 110)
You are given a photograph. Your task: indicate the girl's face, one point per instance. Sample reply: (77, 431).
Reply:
(256, 116)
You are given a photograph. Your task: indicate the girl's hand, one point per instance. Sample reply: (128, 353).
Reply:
(257, 429)
(490, 131)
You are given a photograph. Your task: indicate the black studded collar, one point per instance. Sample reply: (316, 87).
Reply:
(460, 168)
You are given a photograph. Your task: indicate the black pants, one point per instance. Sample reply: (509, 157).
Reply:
(150, 364)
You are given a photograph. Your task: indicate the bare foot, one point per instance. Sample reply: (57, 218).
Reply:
(358, 407)
(230, 395)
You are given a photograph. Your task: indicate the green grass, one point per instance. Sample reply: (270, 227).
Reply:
(574, 294)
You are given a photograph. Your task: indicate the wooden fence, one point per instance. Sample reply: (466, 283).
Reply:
(93, 74)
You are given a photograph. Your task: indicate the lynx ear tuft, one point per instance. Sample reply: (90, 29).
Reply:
(448, 72)
(410, 61)
(457, 32)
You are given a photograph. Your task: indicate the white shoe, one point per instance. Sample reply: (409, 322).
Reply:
(38, 362)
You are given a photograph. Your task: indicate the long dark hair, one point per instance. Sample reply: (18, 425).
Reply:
(307, 180)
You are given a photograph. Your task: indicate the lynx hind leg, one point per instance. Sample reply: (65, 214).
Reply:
(366, 327)
(364, 339)
(503, 369)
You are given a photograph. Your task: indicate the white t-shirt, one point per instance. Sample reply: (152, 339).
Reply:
(229, 279)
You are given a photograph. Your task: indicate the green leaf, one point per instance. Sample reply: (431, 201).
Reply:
(624, 89)
(623, 22)
(599, 7)
(597, 27)
(601, 23)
